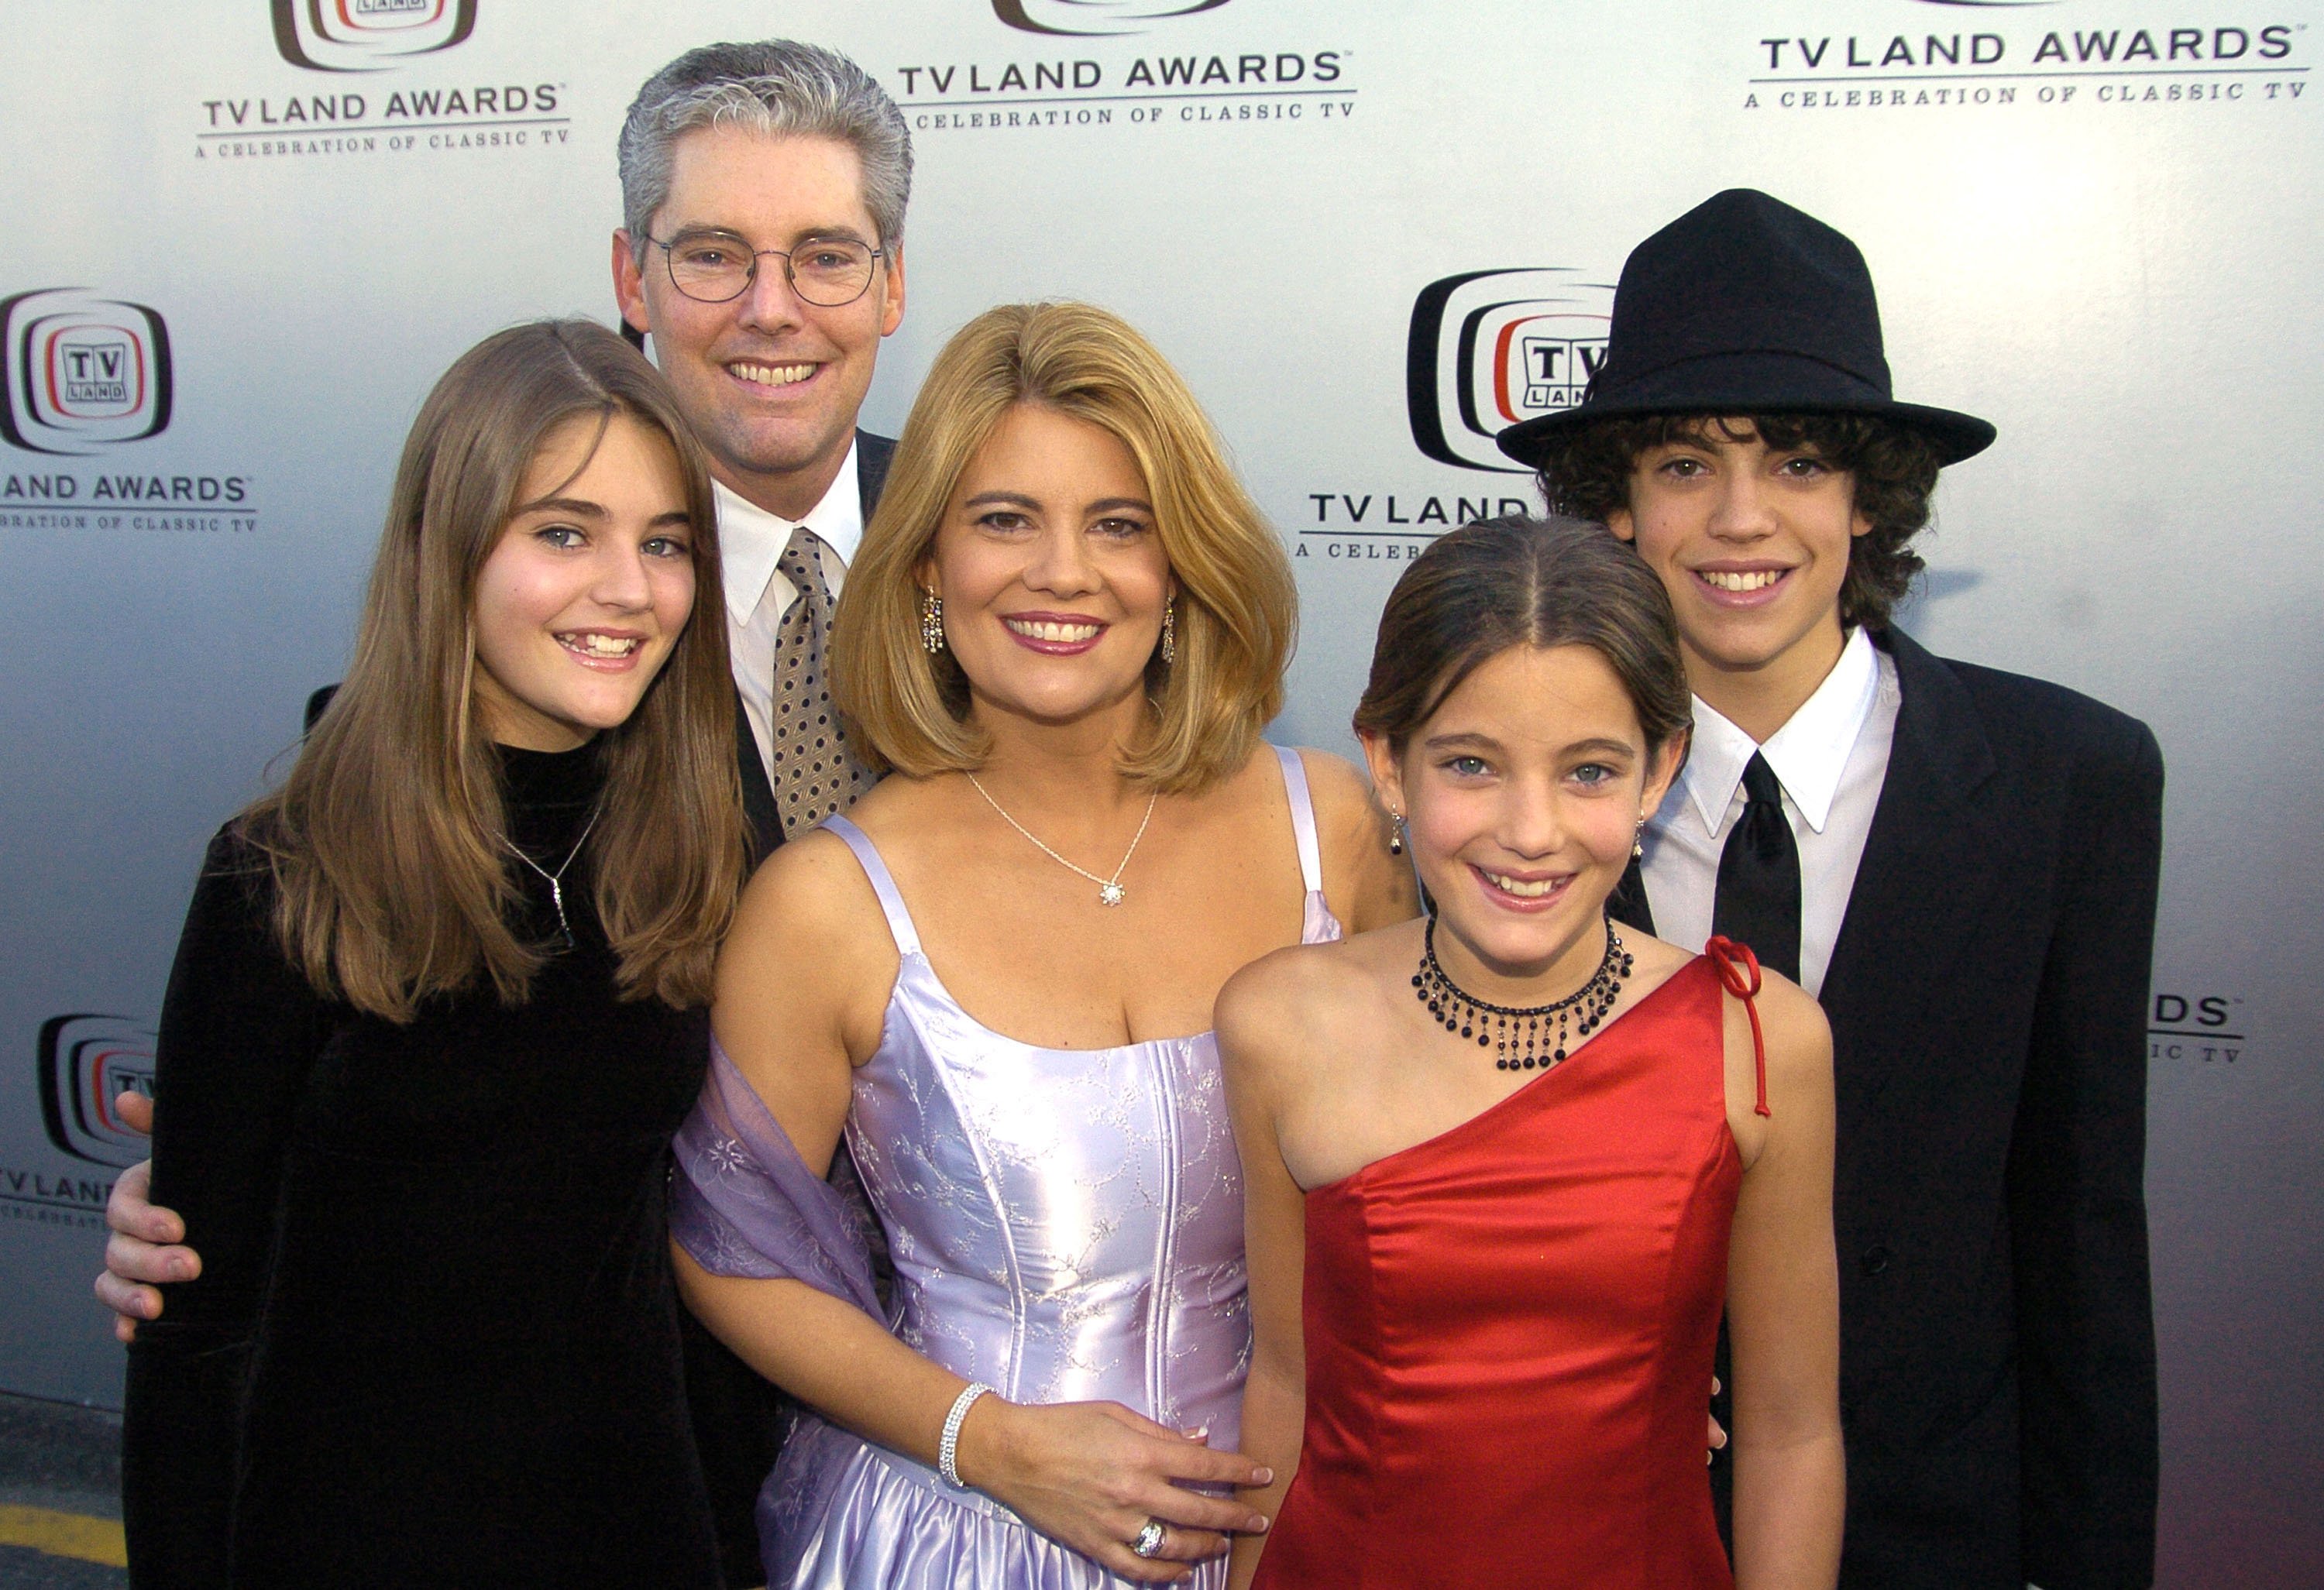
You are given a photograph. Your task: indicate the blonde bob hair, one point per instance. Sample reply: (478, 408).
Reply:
(1238, 609)
(386, 846)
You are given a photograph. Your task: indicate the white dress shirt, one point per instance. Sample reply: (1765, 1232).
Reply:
(757, 593)
(1830, 758)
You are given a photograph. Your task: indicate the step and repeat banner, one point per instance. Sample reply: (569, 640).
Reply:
(244, 237)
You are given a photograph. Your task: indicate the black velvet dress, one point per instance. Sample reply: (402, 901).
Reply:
(435, 1341)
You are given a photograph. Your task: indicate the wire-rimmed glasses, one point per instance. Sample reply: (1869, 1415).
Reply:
(713, 267)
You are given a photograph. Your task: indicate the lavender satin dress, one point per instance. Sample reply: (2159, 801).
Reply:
(1067, 1225)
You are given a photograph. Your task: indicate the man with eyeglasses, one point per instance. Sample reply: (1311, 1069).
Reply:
(763, 189)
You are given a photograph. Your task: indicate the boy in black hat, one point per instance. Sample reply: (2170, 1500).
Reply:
(1961, 864)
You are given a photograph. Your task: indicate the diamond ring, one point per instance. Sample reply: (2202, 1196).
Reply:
(1149, 1538)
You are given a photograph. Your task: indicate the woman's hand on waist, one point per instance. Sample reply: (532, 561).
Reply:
(1092, 1474)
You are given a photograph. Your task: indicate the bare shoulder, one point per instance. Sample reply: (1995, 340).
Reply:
(1283, 983)
(809, 952)
(1797, 1036)
(811, 890)
(1298, 1005)
(1794, 1022)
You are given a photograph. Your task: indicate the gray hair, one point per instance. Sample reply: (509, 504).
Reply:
(777, 87)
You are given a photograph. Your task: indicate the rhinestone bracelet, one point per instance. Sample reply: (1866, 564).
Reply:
(948, 1448)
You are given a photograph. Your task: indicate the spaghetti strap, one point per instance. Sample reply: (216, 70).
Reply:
(1303, 818)
(1739, 973)
(883, 883)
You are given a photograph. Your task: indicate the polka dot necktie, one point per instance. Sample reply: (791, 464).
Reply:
(815, 775)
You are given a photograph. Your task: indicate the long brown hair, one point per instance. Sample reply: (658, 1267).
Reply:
(1237, 608)
(386, 842)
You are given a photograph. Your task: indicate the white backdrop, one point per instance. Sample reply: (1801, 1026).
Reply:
(243, 239)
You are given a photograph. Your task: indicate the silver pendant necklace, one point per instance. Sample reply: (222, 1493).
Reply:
(557, 878)
(1110, 891)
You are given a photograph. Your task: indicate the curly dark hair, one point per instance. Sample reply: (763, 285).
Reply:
(1586, 473)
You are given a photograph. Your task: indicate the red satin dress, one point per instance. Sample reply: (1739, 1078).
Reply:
(1509, 1328)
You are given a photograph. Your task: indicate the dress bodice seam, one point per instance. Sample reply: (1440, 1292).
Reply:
(1707, 1174)
(1157, 1310)
(974, 1138)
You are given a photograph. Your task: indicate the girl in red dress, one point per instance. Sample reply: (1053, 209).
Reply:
(1506, 1164)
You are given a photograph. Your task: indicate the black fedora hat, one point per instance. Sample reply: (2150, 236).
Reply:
(1745, 305)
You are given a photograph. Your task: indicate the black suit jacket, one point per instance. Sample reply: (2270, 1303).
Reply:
(738, 1419)
(1987, 1000)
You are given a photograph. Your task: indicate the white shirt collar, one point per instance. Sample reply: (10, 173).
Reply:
(750, 538)
(1808, 754)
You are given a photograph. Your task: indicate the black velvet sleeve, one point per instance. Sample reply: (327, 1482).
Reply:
(239, 1029)
(2076, 1188)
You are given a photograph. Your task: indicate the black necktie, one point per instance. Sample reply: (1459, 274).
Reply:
(1758, 898)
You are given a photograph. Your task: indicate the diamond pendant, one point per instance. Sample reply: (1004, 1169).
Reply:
(564, 939)
(1111, 894)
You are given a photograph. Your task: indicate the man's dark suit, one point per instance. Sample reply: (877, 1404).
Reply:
(1987, 997)
(738, 1418)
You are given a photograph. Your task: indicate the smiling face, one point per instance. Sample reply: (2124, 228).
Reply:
(1051, 571)
(771, 382)
(1524, 791)
(1752, 543)
(579, 601)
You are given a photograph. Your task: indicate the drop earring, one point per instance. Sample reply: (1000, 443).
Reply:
(1170, 631)
(932, 635)
(1639, 840)
(1395, 834)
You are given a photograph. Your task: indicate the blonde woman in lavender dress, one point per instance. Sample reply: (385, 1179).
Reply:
(1063, 631)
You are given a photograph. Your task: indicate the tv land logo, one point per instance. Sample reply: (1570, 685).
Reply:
(1490, 348)
(85, 1060)
(82, 370)
(367, 35)
(1088, 19)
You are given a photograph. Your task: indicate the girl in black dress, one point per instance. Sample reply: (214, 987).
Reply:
(436, 1013)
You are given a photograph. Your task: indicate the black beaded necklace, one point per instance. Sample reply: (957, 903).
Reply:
(1521, 1032)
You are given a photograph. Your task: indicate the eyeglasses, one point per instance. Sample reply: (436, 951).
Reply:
(718, 267)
